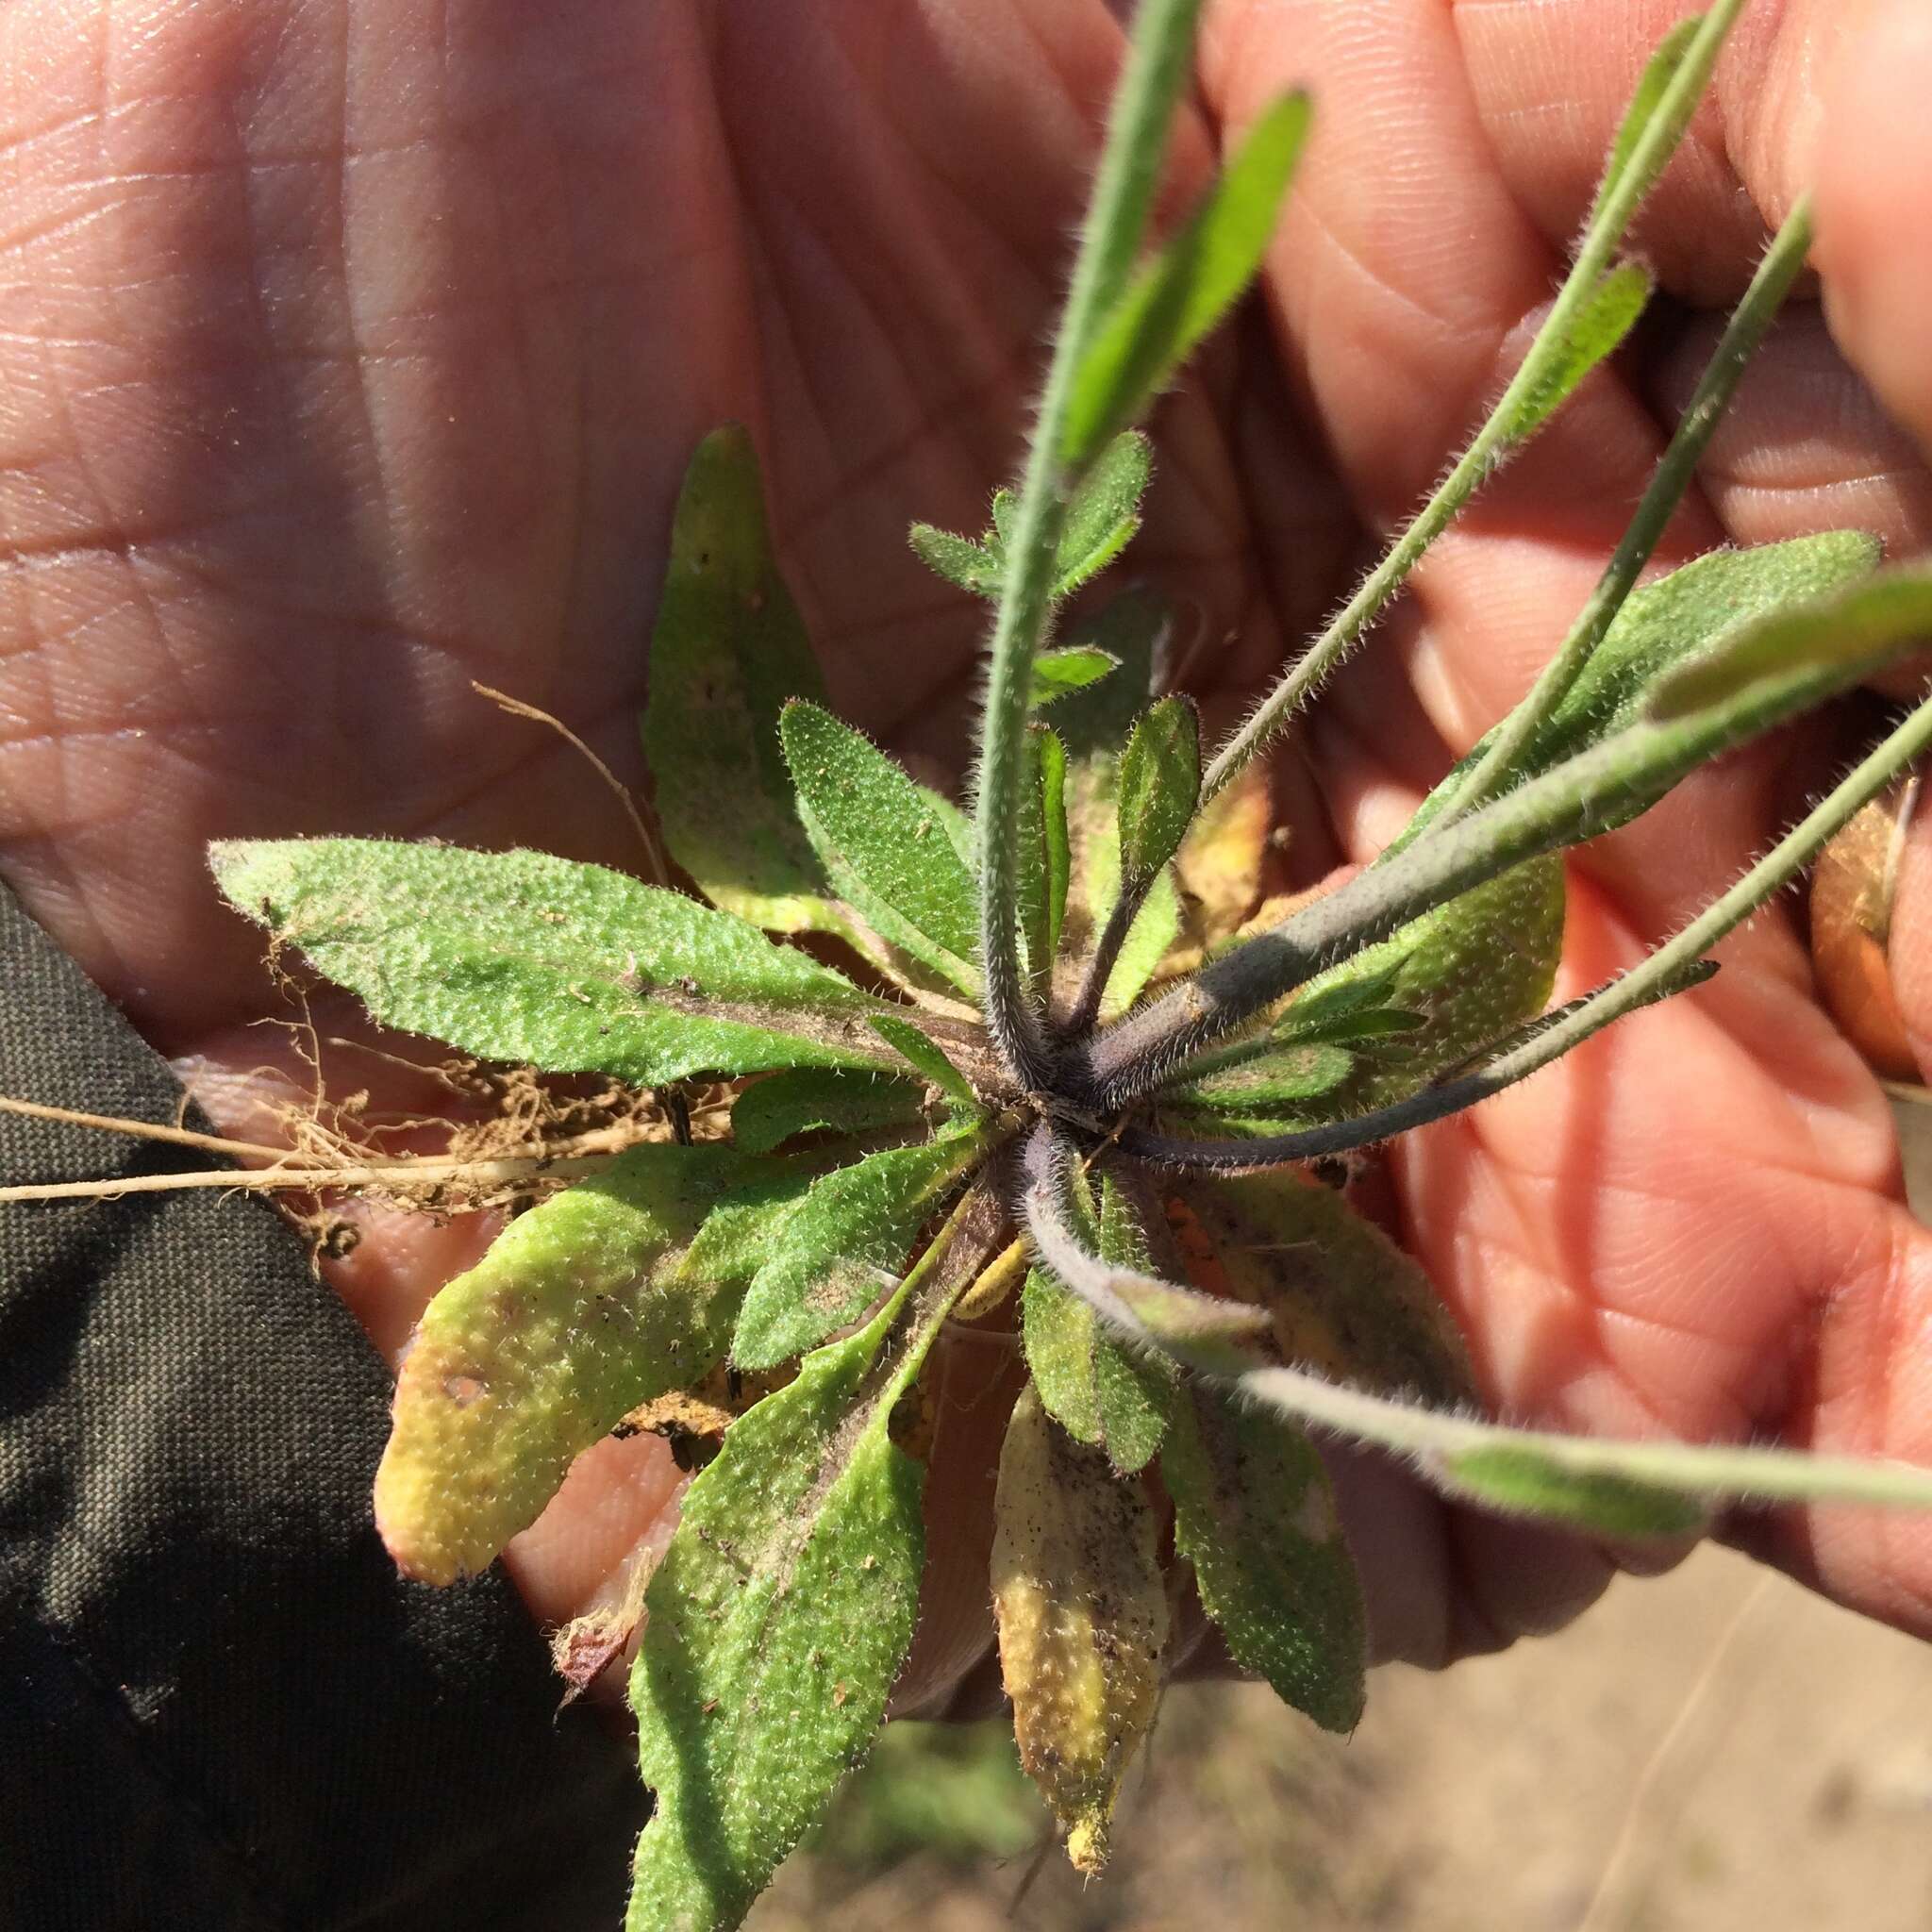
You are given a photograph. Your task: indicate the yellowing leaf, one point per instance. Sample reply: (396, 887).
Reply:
(1082, 1617)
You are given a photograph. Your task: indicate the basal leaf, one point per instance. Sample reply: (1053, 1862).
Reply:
(1219, 861)
(1094, 883)
(729, 650)
(1277, 1086)
(874, 828)
(1059, 672)
(1872, 621)
(1521, 1482)
(1105, 512)
(1082, 1616)
(1165, 312)
(575, 1316)
(805, 1100)
(917, 1050)
(1159, 781)
(519, 956)
(1099, 1391)
(840, 1249)
(1345, 1298)
(960, 561)
(777, 1619)
(1664, 625)
(1599, 329)
(1255, 1515)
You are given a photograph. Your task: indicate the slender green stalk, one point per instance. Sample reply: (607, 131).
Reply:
(1493, 440)
(1157, 66)
(1772, 1475)
(1752, 317)
(1661, 975)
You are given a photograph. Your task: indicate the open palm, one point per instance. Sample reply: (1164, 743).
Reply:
(351, 354)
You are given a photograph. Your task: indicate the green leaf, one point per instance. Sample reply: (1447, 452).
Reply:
(914, 1046)
(1864, 625)
(1255, 1515)
(519, 956)
(1345, 1299)
(1100, 1392)
(1275, 1086)
(960, 561)
(1094, 883)
(839, 1248)
(1601, 324)
(1521, 1482)
(1159, 781)
(729, 650)
(777, 1619)
(807, 1100)
(575, 1315)
(1656, 77)
(1163, 314)
(883, 843)
(1057, 673)
(739, 1233)
(1082, 1615)
(1044, 859)
(1104, 513)
(1667, 623)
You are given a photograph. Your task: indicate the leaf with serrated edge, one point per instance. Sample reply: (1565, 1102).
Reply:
(805, 1100)
(1345, 1299)
(727, 651)
(1082, 1616)
(1099, 1391)
(777, 1619)
(1605, 319)
(519, 956)
(1165, 311)
(1521, 1482)
(871, 825)
(1159, 780)
(1255, 1515)
(575, 1316)
(836, 1253)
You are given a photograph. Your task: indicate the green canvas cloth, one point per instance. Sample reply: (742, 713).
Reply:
(219, 1704)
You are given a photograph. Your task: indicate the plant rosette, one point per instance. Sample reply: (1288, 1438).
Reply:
(1054, 1067)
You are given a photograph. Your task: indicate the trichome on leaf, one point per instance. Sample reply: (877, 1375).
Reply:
(1069, 1075)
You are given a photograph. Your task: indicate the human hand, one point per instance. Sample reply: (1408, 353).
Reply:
(353, 357)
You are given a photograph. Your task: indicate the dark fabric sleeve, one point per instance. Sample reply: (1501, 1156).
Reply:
(219, 1705)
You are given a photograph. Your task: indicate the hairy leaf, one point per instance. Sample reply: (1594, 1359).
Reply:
(1345, 1299)
(1866, 623)
(1163, 314)
(1255, 1515)
(1095, 884)
(1666, 623)
(1105, 512)
(516, 956)
(1082, 1617)
(1219, 861)
(1073, 667)
(1159, 780)
(1098, 1388)
(883, 842)
(1598, 330)
(839, 1248)
(1658, 72)
(575, 1316)
(807, 1100)
(727, 652)
(959, 560)
(1044, 858)
(781, 1612)
(920, 1051)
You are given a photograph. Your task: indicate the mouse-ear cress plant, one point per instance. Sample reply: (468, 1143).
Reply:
(1091, 1084)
